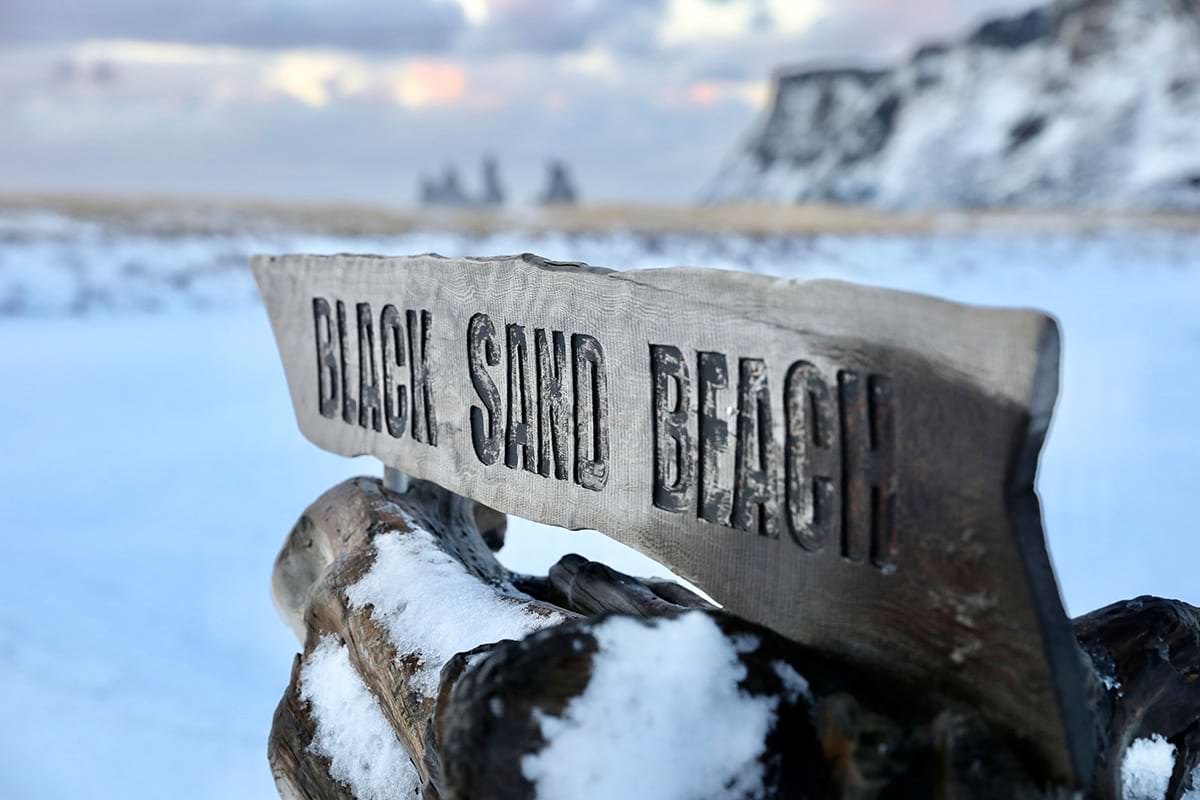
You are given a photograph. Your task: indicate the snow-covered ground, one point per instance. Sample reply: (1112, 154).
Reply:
(152, 465)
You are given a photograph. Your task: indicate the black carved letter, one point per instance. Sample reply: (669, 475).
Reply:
(754, 502)
(714, 438)
(481, 354)
(672, 442)
(812, 466)
(368, 377)
(327, 360)
(868, 469)
(553, 413)
(423, 414)
(591, 412)
(518, 440)
(349, 407)
(395, 398)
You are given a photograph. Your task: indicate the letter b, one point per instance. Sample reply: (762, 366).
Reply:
(672, 442)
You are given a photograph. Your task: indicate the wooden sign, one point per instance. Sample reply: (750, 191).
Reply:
(850, 466)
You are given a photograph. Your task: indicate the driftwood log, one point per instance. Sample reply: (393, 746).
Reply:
(836, 730)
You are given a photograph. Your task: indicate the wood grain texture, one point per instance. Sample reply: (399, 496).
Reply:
(852, 467)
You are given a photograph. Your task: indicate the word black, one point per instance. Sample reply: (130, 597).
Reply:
(336, 356)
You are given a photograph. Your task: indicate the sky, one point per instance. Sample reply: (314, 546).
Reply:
(358, 99)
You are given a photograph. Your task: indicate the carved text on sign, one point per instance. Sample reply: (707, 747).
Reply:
(374, 395)
(537, 374)
(833, 481)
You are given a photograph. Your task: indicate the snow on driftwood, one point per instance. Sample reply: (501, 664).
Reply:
(1146, 768)
(432, 608)
(645, 719)
(351, 730)
(1193, 793)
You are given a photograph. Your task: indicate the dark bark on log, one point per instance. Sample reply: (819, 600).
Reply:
(492, 526)
(490, 720)
(1147, 650)
(590, 587)
(849, 741)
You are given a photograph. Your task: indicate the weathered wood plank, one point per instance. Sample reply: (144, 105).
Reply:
(852, 467)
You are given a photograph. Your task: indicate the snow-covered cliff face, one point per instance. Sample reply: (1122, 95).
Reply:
(1081, 103)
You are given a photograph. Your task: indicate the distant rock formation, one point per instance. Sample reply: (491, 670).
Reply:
(447, 190)
(444, 191)
(1080, 103)
(493, 186)
(560, 187)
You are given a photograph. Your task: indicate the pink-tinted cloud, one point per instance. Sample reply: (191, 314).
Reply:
(430, 82)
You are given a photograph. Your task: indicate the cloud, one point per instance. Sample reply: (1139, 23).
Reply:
(558, 26)
(877, 32)
(316, 131)
(428, 83)
(357, 99)
(368, 25)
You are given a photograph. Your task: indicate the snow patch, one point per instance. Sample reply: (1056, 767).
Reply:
(1146, 768)
(745, 642)
(795, 684)
(432, 607)
(1193, 792)
(662, 717)
(351, 730)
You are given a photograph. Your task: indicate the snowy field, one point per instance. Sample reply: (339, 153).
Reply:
(152, 465)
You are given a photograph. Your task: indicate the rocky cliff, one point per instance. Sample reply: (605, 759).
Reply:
(1080, 103)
